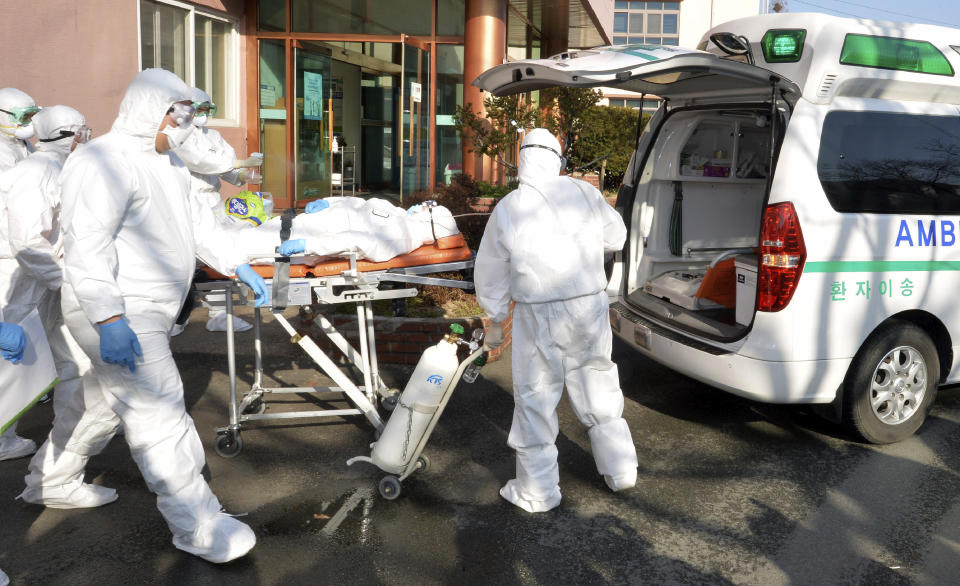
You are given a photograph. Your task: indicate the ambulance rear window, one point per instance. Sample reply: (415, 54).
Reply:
(890, 162)
(891, 53)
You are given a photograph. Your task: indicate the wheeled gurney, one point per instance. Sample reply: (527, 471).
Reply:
(341, 280)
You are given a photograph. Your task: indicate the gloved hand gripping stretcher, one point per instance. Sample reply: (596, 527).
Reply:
(303, 280)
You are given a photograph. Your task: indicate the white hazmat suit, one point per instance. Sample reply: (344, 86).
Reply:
(31, 195)
(209, 158)
(13, 149)
(130, 245)
(543, 248)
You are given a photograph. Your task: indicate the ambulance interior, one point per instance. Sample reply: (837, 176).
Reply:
(696, 220)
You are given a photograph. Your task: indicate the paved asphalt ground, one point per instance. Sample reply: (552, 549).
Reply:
(730, 491)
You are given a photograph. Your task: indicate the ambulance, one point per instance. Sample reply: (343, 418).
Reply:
(793, 210)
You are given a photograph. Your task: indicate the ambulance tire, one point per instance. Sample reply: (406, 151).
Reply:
(898, 340)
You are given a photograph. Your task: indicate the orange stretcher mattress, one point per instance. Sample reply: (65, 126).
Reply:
(448, 249)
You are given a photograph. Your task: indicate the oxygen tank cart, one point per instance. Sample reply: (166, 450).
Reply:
(398, 450)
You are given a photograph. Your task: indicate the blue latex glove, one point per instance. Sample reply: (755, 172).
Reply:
(118, 344)
(317, 205)
(251, 279)
(12, 342)
(291, 247)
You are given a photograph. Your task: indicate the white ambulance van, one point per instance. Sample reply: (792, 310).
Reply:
(793, 210)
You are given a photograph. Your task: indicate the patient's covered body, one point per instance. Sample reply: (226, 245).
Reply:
(374, 229)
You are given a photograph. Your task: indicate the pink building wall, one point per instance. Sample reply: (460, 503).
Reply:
(83, 53)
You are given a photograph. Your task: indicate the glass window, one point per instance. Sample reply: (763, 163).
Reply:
(163, 37)
(669, 24)
(886, 162)
(670, 41)
(654, 5)
(620, 4)
(411, 17)
(653, 23)
(671, 6)
(271, 15)
(214, 44)
(637, 40)
(653, 41)
(450, 17)
(636, 22)
(620, 22)
(207, 60)
(619, 40)
(635, 5)
(449, 96)
(273, 115)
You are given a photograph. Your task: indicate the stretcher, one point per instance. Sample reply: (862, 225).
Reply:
(302, 282)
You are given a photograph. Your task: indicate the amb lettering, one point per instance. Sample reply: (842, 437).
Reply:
(927, 233)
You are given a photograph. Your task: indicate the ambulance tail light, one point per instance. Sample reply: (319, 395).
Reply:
(782, 254)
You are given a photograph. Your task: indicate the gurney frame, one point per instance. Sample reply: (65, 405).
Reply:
(351, 286)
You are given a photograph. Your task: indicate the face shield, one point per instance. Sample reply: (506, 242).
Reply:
(182, 113)
(21, 116)
(80, 135)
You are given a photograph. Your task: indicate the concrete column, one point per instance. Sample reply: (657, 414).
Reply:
(485, 44)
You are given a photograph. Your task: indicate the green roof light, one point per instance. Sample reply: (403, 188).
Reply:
(783, 45)
(891, 53)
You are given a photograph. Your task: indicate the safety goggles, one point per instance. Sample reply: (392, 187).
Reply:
(81, 135)
(205, 109)
(182, 113)
(563, 159)
(22, 116)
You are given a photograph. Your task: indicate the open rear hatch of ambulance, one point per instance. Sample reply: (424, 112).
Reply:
(668, 72)
(695, 213)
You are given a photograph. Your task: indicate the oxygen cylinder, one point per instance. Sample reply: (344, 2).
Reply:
(416, 407)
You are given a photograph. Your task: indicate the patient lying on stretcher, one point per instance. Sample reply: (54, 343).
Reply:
(375, 229)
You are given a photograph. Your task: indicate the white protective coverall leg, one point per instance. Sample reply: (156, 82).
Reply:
(15, 129)
(543, 248)
(32, 194)
(209, 158)
(130, 245)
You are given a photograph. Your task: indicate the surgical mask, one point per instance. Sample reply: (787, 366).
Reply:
(24, 132)
(200, 121)
(177, 134)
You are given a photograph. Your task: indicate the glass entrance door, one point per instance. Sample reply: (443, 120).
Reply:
(415, 120)
(313, 123)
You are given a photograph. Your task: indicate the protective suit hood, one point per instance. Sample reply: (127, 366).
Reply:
(148, 97)
(540, 155)
(49, 123)
(10, 99)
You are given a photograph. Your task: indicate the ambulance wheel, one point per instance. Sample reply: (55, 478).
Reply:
(891, 383)
(423, 464)
(389, 487)
(228, 444)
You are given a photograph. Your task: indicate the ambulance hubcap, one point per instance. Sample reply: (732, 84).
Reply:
(899, 385)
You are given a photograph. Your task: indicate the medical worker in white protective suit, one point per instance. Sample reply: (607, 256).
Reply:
(13, 342)
(31, 195)
(543, 248)
(130, 247)
(210, 158)
(16, 112)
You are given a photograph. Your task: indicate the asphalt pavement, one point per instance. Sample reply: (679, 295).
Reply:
(730, 491)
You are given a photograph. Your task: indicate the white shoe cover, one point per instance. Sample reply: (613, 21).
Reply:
(177, 329)
(12, 446)
(76, 495)
(219, 539)
(511, 492)
(621, 481)
(218, 323)
(4, 579)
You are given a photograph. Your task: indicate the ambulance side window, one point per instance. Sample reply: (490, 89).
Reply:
(887, 162)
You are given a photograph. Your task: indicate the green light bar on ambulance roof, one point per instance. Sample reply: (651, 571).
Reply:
(783, 45)
(891, 53)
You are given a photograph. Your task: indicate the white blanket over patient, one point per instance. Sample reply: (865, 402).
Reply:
(374, 228)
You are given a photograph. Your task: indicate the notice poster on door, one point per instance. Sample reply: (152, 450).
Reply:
(312, 96)
(336, 94)
(416, 92)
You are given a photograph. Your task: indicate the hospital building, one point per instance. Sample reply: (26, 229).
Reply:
(339, 95)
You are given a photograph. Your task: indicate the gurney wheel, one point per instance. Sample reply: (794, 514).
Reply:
(423, 463)
(389, 487)
(228, 444)
(389, 403)
(257, 406)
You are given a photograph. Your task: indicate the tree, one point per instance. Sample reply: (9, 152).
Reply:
(606, 132)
